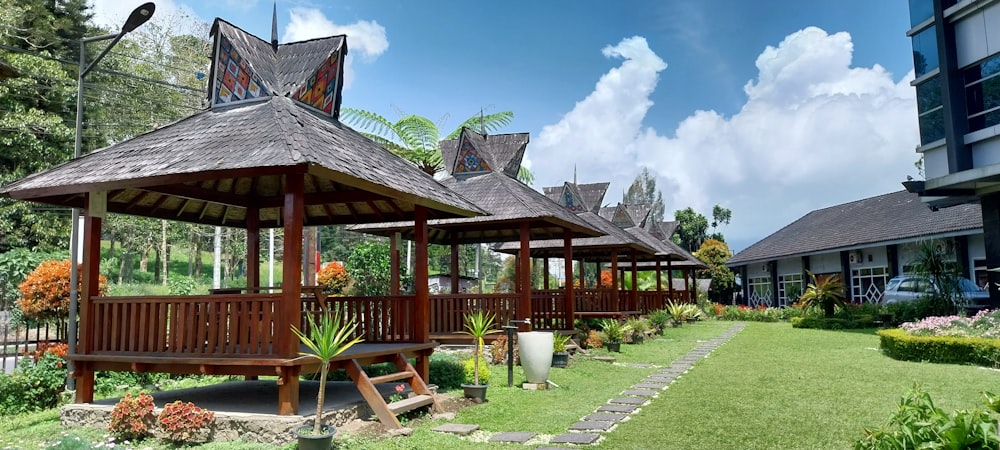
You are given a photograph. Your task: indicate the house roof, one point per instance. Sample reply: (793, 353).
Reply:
(214, 166)
(615, 238)
(505, 151)
(883, 219)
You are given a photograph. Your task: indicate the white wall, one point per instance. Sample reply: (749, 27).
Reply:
(825, 263)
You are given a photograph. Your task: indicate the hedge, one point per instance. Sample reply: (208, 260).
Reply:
(898, 344)
(833, 323)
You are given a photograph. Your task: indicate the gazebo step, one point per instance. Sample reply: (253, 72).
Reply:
(392, 377)
(409, 404)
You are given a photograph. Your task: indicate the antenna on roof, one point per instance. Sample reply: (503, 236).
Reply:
(274, 27)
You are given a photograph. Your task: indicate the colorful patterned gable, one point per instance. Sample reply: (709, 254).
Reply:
(235, 80)
(571, 200)
(469, 159)
(621, 218)
(321, 89)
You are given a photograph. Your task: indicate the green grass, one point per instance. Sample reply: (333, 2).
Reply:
(770, 387)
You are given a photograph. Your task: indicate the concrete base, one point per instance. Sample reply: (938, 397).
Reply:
(534, 386)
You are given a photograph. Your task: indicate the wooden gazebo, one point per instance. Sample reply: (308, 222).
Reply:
(483, 169)
(270, 152)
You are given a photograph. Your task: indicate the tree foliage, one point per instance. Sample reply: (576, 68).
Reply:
(45, 291)
(369, 266)
(643, 191)
(714, 254)
(691, 228)
(334, 278)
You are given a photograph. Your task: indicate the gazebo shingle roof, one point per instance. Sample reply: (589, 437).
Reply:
(615, 238)
(886, 218)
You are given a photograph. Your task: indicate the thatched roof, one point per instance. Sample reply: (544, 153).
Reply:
(214, 166)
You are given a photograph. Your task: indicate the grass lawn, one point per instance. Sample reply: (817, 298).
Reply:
(771, 386)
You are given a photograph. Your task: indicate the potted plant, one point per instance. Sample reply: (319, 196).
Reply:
(659, 319)
(636, 328)
(692, 313)
(477, 325)
(325, 340)
(560, 357)
(678, 312)
(614, 331)
(825, 291)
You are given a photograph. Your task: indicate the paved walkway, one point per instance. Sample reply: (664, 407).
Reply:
(592, 427)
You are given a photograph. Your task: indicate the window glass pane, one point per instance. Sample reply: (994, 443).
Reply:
(986, 120)
(925, 56)
(920, 10)
(983, 96)
(983, 69)
(932, 126)
(929, 94)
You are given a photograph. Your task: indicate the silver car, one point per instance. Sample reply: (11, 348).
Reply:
(907, 288)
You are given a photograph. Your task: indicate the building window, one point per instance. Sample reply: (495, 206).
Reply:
(922, 10)
(868, 284)
(982, 93)
(925, 51)
(930, 110)
(760, 292)
(789, 289)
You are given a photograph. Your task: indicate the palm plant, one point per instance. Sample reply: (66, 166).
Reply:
(416, 138)
(613, 329)
(825, 291)
(327, 339)
(678, 312)
(478, 325)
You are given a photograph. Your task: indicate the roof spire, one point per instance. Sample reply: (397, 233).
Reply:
(574, 173)
(274, 27)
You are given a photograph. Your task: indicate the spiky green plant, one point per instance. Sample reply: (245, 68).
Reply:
(326, 339)
(825, 291)
(478, 325)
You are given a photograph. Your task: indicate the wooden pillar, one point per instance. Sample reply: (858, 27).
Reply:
(394, 264)
(634, 301)
(660, 303)
(290, 308)
(687, 284)
(422, 310)
(568, 290)
(524, 273)
(90, 279)
(253, 246)
(614, 278)
(670, 278)
(454, 264)
(583, 273)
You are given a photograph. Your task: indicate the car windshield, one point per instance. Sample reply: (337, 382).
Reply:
(893, 283)
(966, 285)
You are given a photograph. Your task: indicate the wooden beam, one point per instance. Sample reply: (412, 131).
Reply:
(135, 200)
(421, 316)
(375, 210)
(570, 300)
(290, 309)
(524, 274)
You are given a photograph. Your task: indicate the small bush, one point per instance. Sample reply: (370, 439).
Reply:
(334, 278)
(181, 285)
(468, 368)
(45, 291)
(182, 421)
(593, 340)
(132, 417)
(447, 371)
(497, 352)
(109, 382)
(897, 344)
(35, 385)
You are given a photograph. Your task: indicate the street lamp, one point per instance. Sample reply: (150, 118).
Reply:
(139, 16)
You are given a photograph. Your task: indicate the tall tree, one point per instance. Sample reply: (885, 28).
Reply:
(720, 216)
(691, 229)
(714, 254)
(643, 191)
(416, 138)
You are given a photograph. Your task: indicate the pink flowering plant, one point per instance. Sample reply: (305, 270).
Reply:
(399, 393)
(181, 421)
(985, 324)
(132, 417)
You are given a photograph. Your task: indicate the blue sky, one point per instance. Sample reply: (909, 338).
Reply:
(771, 108)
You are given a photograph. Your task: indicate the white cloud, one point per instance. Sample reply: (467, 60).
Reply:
(112, 14)
(813, 132)
(364, 38)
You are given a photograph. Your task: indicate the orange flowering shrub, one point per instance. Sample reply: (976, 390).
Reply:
(58, 348)
(334, 278)
(45, 291)
(132, 417)
(605, 278)
(182, 420)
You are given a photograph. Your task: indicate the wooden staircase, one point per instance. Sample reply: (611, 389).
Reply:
(387, 412)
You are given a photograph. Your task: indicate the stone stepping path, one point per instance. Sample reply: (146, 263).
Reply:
(605, 419)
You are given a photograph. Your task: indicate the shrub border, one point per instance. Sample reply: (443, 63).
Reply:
(834, 323)
(898, 344)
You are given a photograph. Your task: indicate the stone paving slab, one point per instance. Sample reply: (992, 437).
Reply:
(628, 401)
(519, 437)
(575, 438)
(460, 429)
(660, 378)
(618, 408)
(604, 417)
(640, 392)
(650, 386)
(553, 448)
(592, 426)
(641, 366)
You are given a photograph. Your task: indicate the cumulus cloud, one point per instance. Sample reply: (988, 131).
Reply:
(364, 38)
(813, 132)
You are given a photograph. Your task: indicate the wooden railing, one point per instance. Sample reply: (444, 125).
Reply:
(595, 300)
(681, 296)
(217, 325)
(379, 318)
(548, 310)
(448, 310)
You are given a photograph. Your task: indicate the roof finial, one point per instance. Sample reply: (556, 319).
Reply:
(574, 173)
(482, 122)
(274, 27)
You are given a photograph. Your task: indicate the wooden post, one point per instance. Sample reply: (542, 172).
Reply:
(660, 303)
(253, 246)
(290, 309)
(524, 273)
(670, 279)
(614, 278)
(545, 273)
(568, 290)
(394, 264)
(91, 288)
(583, 273)
(421, 309)
(634, 301)
(454, 264)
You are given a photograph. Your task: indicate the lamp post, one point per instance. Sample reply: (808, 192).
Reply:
(139, 16)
